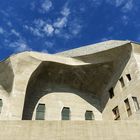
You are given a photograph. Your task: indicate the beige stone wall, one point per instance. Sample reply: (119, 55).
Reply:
(91, 75)
(130, 89)
(69, 130)
(55, 102)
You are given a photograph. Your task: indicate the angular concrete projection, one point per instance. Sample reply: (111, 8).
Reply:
(79, 79)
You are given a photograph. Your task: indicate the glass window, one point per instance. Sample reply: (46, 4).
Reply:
(111, 93)
(1, 104)
(122, 82)
(128, 77)
(40, 112)
(129, 112)
(116, 113)
(65, 114)
(89, 115)
(137, 107)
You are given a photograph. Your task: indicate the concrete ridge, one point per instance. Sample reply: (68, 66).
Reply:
(47, 57)
(93, 48)
(81, 51)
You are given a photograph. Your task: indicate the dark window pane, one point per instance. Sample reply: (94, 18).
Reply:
(122, 82)
(116, 113)
(128, 107)
(40, 112)
(128, 77)
(111, 93)
(89, 115)
(65, 114)
(1, 104)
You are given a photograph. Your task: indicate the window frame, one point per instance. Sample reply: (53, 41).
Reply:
(136, 103)
(116, 113)
(128, 107)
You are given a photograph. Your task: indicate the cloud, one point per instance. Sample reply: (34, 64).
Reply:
(60, 22)
(104, 39)
(96, 3)
(128, 6)
(14, 32)
(48, 29)
(46, 6)
(19, 46)
(119, 2)
(1, 30)
(75, 28)
(65, 11)
(40, 28)
(39, 23)
(116, 3)
(9, 24)
(63, 25)
(34, 31)
(110, 29)
(125, 19)
(49, 44)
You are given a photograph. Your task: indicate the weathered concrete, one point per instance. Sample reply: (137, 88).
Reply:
(69, 130)
(79, 79)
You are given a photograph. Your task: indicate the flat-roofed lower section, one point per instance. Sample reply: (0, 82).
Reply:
(69, 130)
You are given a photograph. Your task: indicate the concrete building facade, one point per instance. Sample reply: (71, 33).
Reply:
(90, 86)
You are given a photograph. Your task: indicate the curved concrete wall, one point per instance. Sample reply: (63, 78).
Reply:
(55, 102)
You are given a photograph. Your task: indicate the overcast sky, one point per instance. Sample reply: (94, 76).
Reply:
(56, 25)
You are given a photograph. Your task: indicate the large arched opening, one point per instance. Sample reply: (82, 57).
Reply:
(52, 77)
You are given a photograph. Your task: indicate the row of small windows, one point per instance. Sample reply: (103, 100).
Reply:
(128, 108)
(111, 90)
(122, 80)
(65, 114)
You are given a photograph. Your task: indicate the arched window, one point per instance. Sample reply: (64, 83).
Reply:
(89, 115)
(65, 114)
(1, 104)
(40, 112)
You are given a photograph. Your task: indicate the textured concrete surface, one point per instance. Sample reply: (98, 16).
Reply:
(79, 79)
(69, 130)
(82, 82)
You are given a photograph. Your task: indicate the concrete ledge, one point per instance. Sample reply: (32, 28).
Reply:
(69, 130)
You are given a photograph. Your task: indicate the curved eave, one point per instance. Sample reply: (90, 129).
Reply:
(94, 48)
(36, 56)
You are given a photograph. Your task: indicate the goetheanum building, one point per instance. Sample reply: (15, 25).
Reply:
(95, 82)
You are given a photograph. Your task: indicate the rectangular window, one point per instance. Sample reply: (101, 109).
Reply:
(89, 115)
(137, 107)
(65, 114)
(116, 113)
(129, 112)
(111, 93)
(40, 112)
(122, 82)
(128, 77)
(1, 104)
